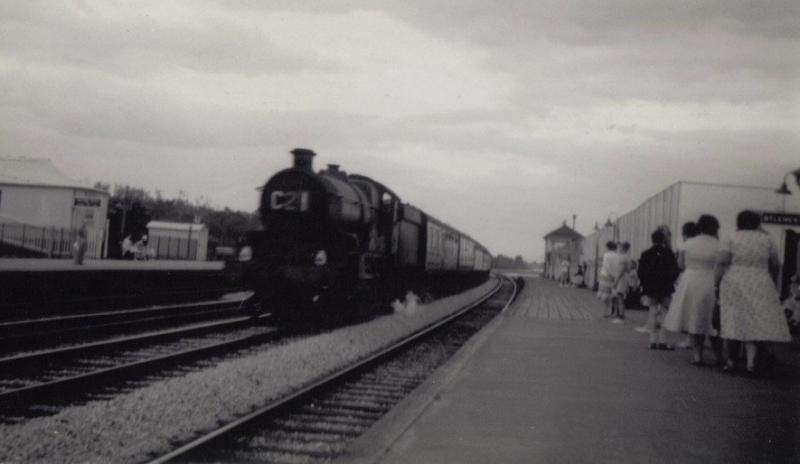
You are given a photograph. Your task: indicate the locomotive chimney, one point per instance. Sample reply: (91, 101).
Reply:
(303, 159)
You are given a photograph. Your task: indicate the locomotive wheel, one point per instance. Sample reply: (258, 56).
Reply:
(372, 301)
(365, 304)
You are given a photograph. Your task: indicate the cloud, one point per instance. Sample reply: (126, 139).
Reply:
(142, 41)
(503, 120)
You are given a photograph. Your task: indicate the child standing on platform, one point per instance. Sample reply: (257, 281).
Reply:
(658, 270)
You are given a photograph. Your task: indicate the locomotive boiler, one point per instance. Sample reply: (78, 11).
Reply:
(337, 244)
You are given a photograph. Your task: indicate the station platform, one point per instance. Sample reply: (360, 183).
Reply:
(34, 288)
(552, 381)
(46, 265)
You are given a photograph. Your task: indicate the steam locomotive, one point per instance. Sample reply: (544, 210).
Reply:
(333, 243)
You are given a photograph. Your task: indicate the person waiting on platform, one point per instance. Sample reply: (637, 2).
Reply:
(658, 270)
(610, 272)
(791, 307)
(621, 288)
(688, 231)
(579, 280)
(79, 247)
(692, 306)
(142, 251)
(634, 296)
(750, 308)
(127, 248)
(563, 276)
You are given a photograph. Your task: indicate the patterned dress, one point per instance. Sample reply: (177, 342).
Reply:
(750, 309)
(692, 306)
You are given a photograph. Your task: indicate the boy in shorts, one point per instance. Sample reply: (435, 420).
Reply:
(658, 271)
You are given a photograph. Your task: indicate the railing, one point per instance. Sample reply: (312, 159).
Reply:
(166, 247)
(52, 242)
(173, 248)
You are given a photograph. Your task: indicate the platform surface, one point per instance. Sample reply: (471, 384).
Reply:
(45, 265)
(551, 381)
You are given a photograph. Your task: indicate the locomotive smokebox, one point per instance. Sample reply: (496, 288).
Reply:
(303, 159)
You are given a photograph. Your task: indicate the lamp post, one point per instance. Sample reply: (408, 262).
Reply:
(596, 254)
(615, 234)
(790, 266)
(783, 190)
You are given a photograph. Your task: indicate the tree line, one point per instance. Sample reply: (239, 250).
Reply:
(506, 262)
(131, 208)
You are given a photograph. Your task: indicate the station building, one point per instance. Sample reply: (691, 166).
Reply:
(178, 240)
(562, 244)
(41, 209)
(685, 201)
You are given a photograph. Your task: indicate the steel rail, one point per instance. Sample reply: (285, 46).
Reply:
(329, 379)
(40, 358)
(15, 399)
(59, 321)
(26, 334)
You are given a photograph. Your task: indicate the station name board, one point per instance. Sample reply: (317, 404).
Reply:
(781, 218)
(87, 202)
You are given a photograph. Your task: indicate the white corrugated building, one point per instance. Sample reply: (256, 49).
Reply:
(178, 240)
(41, 208)
(685, 201)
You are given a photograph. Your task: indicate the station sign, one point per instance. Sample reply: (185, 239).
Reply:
(781, 219)
(95, 202)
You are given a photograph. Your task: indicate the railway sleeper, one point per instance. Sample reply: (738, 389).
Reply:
(372, 398)
(361, 405)
(317, 450)
(276, 437)
(339, 410)
(328, 419)
(366, 391)
(316, 427)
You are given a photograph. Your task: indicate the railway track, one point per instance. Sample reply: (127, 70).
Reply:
(316, 423)
(35, 334)
(42, 382)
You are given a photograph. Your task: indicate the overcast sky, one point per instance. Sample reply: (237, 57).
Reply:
(501, 118)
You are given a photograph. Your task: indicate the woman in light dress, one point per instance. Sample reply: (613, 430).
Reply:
(692, 307)
(750, 309)
(623, 283)
(610, 272)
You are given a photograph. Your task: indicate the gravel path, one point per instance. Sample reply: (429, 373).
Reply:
(135, 426)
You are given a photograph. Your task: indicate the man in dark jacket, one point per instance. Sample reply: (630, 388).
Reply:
(658, 271)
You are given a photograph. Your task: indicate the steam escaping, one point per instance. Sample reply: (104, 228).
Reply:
(409, 306)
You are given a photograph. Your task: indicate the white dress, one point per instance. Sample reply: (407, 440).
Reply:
(609, 273)
(750, 309)
(692, 306)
